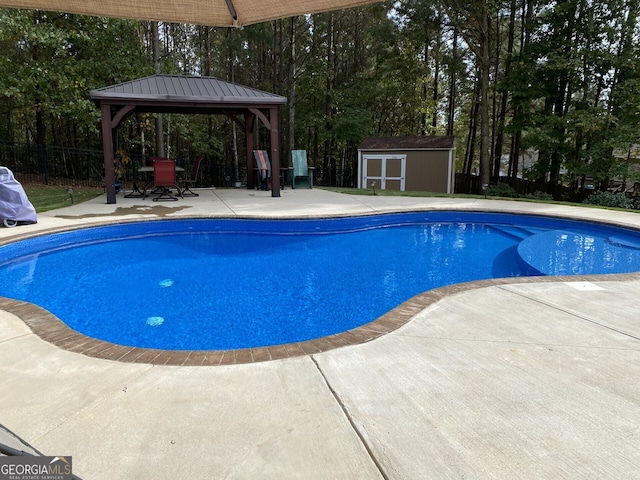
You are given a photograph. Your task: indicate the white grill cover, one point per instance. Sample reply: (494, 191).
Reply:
(14, 204)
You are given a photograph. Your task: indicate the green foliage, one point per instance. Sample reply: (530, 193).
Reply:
(501, 190)
(574, 85)
(572, 80)
(50, 61)
(538, 195)
(351, 126)
(608, 199)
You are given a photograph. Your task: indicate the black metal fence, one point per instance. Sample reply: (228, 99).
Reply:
(77, 167)
(471, 184)
(64, 166)
(52, 165)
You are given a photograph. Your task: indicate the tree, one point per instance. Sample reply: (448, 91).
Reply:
(566, 86)
(559, 79)
(473, 19)
(49, 63)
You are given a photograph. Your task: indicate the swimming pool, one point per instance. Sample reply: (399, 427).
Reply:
(228, 283)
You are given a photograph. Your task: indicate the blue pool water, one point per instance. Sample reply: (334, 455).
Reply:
(229, 283)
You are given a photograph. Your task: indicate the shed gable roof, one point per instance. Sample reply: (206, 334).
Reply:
(182, 88)
(445, 142)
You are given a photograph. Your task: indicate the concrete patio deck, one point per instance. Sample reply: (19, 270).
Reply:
(498, 379)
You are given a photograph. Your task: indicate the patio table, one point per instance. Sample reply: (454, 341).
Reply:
(147, 171)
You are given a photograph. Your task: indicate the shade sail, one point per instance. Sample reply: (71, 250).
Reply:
(200, 12)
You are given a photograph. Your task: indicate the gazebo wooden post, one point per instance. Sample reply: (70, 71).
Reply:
(275, 152)
(107, 147)
(249, 125)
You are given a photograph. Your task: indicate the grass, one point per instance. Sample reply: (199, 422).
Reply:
(45, 198)
(395, 193)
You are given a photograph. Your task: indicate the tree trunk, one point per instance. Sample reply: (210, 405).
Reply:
(156, 62)
(484, 65)
(473, 22)
(451, 114)
(436, 86)
(494, 157)
(470, 151)
(525, 39)
(502, 115)
(291, 105)
(329, 161)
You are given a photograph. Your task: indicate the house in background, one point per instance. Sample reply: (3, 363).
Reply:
(420, 163)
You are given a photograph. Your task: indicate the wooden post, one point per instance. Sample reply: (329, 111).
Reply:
(249, 125)
(275, 152)
(107, 146)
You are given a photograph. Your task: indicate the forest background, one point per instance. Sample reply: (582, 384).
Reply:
(542, 91)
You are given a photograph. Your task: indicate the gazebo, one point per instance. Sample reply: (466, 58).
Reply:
(189, 95)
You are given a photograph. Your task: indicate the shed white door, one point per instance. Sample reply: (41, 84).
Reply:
(387, 171)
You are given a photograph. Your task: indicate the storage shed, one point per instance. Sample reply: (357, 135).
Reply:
(422, 163)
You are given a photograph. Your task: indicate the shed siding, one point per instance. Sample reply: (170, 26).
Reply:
(422, 163)
(426, 170)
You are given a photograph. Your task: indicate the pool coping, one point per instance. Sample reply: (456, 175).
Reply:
(52, 330)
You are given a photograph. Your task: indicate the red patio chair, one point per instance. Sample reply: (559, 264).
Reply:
(164, 178)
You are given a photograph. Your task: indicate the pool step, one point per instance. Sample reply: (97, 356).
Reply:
(624, 241)
(519, 233)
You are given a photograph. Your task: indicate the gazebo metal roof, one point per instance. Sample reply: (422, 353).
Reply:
(202, 92)
(190, 95)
